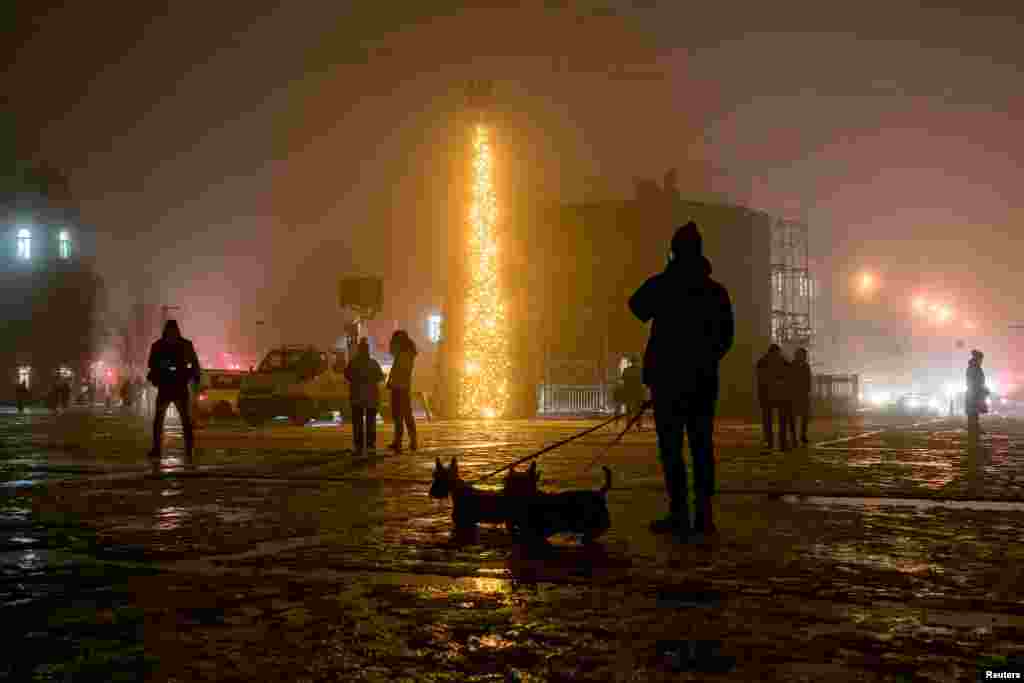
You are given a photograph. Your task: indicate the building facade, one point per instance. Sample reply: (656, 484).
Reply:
(569, 271)
(50, 295)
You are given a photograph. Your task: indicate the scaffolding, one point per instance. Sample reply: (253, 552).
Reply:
(793, 288)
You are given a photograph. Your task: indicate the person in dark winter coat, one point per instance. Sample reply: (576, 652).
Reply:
(633, 391)
(23, 395)
(975, 403)
(799, 395)
(173, 365)
(773, 393)
(692, 330)
(365, 374)
(403, 349)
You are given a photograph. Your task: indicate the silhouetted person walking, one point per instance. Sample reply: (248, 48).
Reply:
(975, 403)
(22, 395)
(403, 350)
(773, 394)
(633, 391)
(365, 374)
(692, 330)
(173, 365)
(65, 395)
(799, 395)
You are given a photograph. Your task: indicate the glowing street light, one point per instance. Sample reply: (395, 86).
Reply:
(867, 283)
(919, 304)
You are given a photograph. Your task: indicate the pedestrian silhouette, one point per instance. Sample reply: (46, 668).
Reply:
(403, 350)
(23, 395)
(773, 372)
(691, 332)
(365, 374)
(633, 392)
(976, 400)
(173, 365)
(799, 395)
(65, 394)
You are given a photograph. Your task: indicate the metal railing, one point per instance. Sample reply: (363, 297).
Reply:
(574, 399)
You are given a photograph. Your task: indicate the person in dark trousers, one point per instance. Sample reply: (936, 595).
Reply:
(65, 395)
(127, 393)
(403, 349)
(22, 394)
(975, 403)
(633, 391)
(772, 393)
(799, 395)
(173, 365)
(365, 374)
(692, 330)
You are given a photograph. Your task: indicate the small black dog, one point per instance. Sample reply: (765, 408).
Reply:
(578, 512)
(471, 506)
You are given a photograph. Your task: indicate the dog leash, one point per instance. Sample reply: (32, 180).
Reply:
(548, 448)
(633, 420)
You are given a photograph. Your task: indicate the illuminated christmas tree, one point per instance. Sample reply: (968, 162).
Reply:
(483, 390)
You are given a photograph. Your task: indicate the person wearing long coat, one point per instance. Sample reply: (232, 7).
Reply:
(403, 349)
(800, 395)
(773, 379)
(976, 402)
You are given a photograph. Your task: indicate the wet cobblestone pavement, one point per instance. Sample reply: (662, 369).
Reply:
(886, 551)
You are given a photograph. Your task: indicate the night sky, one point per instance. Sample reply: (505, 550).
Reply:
(238, 157)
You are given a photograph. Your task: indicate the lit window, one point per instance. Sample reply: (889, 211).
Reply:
(24, 375)
(64, 245)
(434, 328)
(24, 244)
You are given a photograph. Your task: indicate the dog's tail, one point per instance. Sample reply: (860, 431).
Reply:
(607, 480)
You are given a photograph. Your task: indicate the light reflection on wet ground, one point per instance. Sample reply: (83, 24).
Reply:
(320, 563)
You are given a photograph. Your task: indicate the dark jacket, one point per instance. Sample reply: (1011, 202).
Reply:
(693, 326)
(632, 385)
(173, 363)
(773, 378)
(977, 392)
(401, 370)
(800, 382)
(365, 375)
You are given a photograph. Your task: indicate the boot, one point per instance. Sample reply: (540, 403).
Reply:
(704, 527)
(677, 522)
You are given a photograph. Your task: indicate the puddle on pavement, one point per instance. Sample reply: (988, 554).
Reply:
(994, 505)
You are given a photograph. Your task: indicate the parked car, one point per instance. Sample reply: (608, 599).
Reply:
(218, 394)
(299, 382)
(920, 404)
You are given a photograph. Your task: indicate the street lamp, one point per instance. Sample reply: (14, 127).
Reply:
(867, 283)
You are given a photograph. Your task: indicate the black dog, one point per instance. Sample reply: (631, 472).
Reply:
(471, 506)
(577, 512)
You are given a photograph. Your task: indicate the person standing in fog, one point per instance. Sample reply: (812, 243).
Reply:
(403, 350)
(976, 400)
(773, 394)
(23, 395)
(364, 374)
(633, 390)
(799, 395)
(173, 365)
(691, 332)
